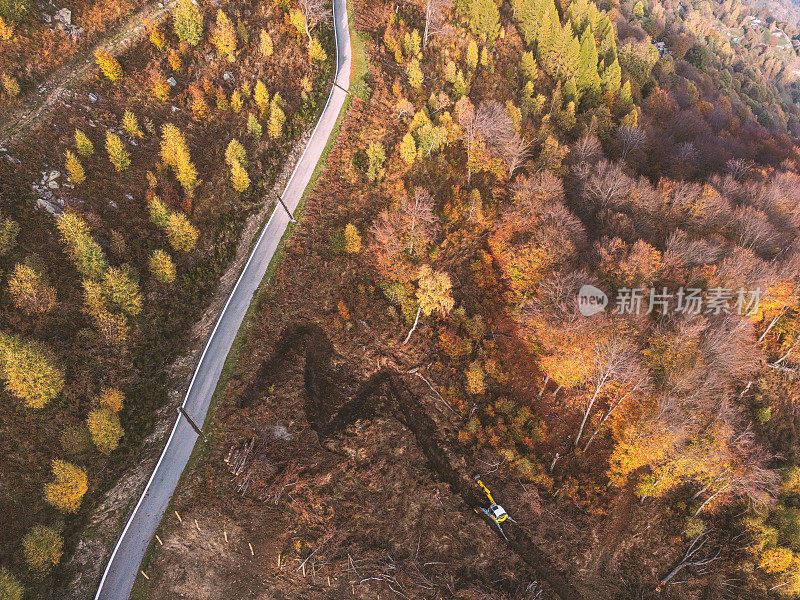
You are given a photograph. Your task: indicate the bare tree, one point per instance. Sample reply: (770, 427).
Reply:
(739, 168)
(612, 360)
(690, 559)
(314, 12)
(435, 18)
(609, 185)
(631, 138)
(420, 216)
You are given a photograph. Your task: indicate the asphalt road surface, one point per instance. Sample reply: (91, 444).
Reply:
(123, 566)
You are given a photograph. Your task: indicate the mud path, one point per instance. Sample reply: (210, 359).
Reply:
(36, 106)
(330, 407)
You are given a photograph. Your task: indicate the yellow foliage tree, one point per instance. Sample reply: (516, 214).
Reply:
(10, 85)
(316, 51)
(69, 485)
(74, 168)
(235, 153)
(236, 101)
(10, 587)
(82, 249)
(476, 378)
(265, 44)
(261, 98)
(131, 125)
(182, 235)
(109, 65)
(6, 31)
(162, 267)
(111, 399)
(352, 239)
(121, 292)
(433, 294)
(239, 177)
(105, 429)
(158, 40)
(28, 292)
(28, 373)
(175, 154)
(119, 157)
(42, 547)
(223, 36)
(276, 118)
(188, 22)
(83, 143)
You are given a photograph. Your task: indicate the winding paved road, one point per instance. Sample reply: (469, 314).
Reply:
(123, 566)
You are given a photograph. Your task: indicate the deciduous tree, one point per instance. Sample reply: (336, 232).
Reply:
(187, 22)
(69, 485)
(29, 292)
(42, 547)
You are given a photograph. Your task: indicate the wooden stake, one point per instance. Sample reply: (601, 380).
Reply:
(145, 575)
(225, 533)
(329, 581)
(251, 549)
(179, 517)
(159, 540)
(196, 524)
(304, 569)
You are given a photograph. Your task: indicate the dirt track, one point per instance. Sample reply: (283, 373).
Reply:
(330, 408)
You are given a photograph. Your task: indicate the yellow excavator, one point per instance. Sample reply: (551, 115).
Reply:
(494, 511)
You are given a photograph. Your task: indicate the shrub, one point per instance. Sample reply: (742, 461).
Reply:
(352, 239)
(109, 66)
(14, 11)
(8, 235)
(11, 85)
(28, 373)
(105, 429)
(162, 267)
(119, 157)
(42, 547)
(316, 51)
(75, 440)
(187, 22)
(66, 491)
(28, 292)
(158, 40)
(74, 168)
(376, 156)
(10, 587)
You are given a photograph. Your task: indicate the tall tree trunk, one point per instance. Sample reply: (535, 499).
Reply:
(416, 320)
